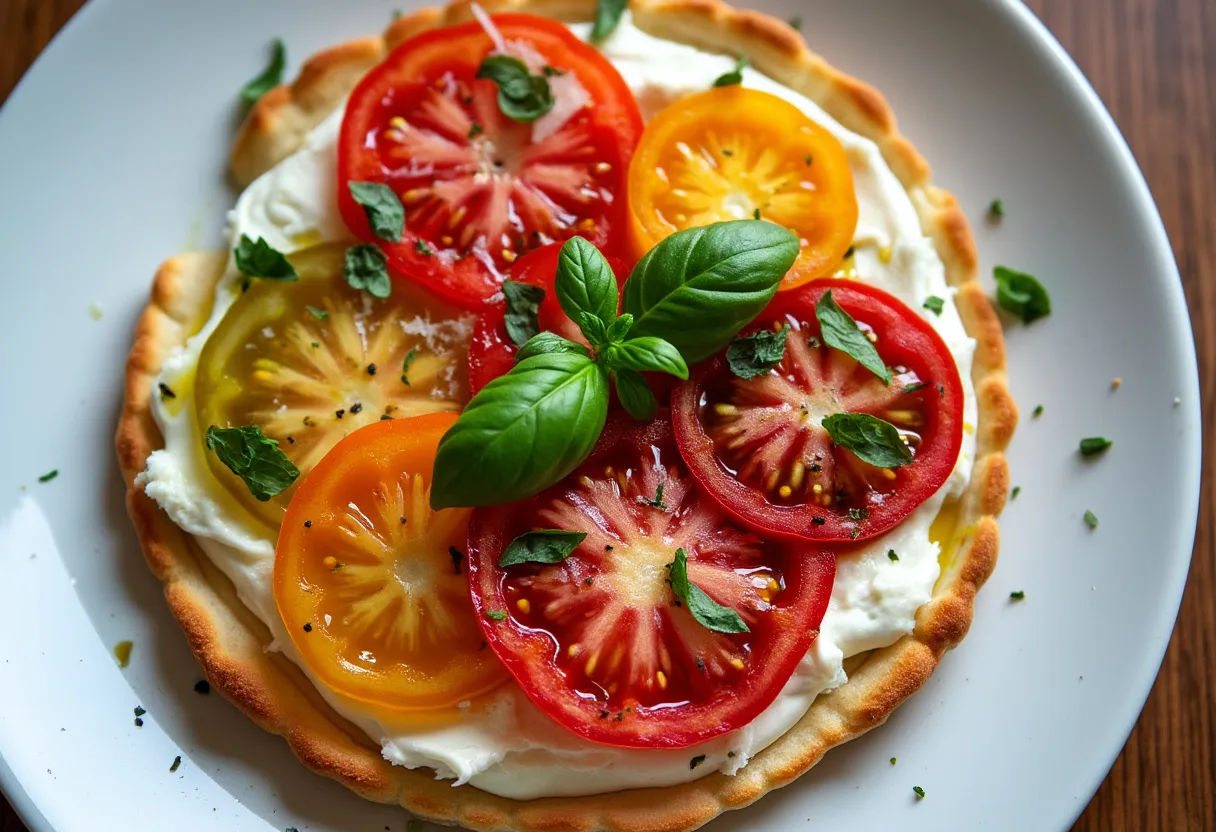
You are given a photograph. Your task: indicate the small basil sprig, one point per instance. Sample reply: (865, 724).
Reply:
(385, 213)
(734, 77)
(253, 457)
(366, 268)
(873, 440)
(751, 355)
(528, 429)
(607, 15)
(1022, 294)
(709, 613)
(541, 546)
(522, 96)
(259, 259)
(700, 286)
(271, 76)
(841, 332)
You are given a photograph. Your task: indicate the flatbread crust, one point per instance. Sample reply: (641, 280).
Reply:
(230, 642)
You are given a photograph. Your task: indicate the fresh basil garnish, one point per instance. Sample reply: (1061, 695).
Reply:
(366, 269)
(607, 16)
(258, 259)
(709, 613)
(873, 440)
(698, 287)
(523, 432)
(253, 457)
(1021, 294)
(635, 394)
(541, 546)
(1091, 519)
(385, 213)
(522, 96)
(523, 306)
(934, 304)
(585, 282)
(751, 355)
(735, 76)
(1093, 445)
(841, 332)
(648, 354)
(546, 342)
(271, 76)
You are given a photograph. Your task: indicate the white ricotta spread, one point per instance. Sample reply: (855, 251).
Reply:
(502, 743)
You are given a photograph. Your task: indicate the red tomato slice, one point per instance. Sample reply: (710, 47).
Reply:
(599, 642)
(758, 445)
(479, 189)
(491, 350)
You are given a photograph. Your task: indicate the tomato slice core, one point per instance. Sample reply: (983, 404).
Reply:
(759, 447)
(600, 642)
(371, 582)
(480, 189)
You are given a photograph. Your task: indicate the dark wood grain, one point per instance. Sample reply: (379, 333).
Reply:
(1154, 64)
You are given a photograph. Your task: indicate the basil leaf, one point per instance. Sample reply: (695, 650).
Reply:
(547, 342)
(873, 440)
(607, 16)
(934, 304)
(698, 287)
(385, 213)
(635, 394)
(260, 260)
(522, 96)
(593, 328)
(709, 613)
(523, 432)
(523, 305)
(648, 354)
(1091, 519)
(541, 546)
(253, 457)
(585, 282)
(841, 331)
(366, 269)
(270, 77)
(1021, 294)
(753, 355)
(619, 328)
(735, 76)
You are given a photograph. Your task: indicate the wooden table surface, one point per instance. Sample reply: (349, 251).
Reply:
(1147, 60)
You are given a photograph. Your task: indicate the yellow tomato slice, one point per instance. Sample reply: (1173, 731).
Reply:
(311, 360)
(371, 582)
(732, 153)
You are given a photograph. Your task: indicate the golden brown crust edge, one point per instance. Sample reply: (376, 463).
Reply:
(229, 641)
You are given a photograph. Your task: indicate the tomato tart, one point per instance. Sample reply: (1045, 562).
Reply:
(595, 419)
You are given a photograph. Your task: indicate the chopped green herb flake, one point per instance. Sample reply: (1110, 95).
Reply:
(405, 366)
(809, 160)
(1093, 445)
(423, 247)
(1017, 595)
(551, 71)
(541, 546)
(476, 130)
(708, 613)
(1017, 489)
(1038, 411)
(892, 761)
(258, 259)
(496, 615)
(934, 304)
(751, 355)
(253, 457)
(756, 214)
(657, 502)
(1021, 294)
(795, 23)
(891, 554)
(607, 16)
(366, 269)
(49, 475)
(1091, 519)
(997, 209)
(140, 710)
(920, 793)
(271, 76)
(696, 761)
(735, 76)
(122, 653)
(319, 314)
(166, 392)
(177, 761)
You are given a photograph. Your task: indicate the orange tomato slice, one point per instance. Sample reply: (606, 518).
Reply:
(732, 153)
(371, 582)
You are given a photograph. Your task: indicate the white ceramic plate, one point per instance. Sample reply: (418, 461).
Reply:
(112, 158)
